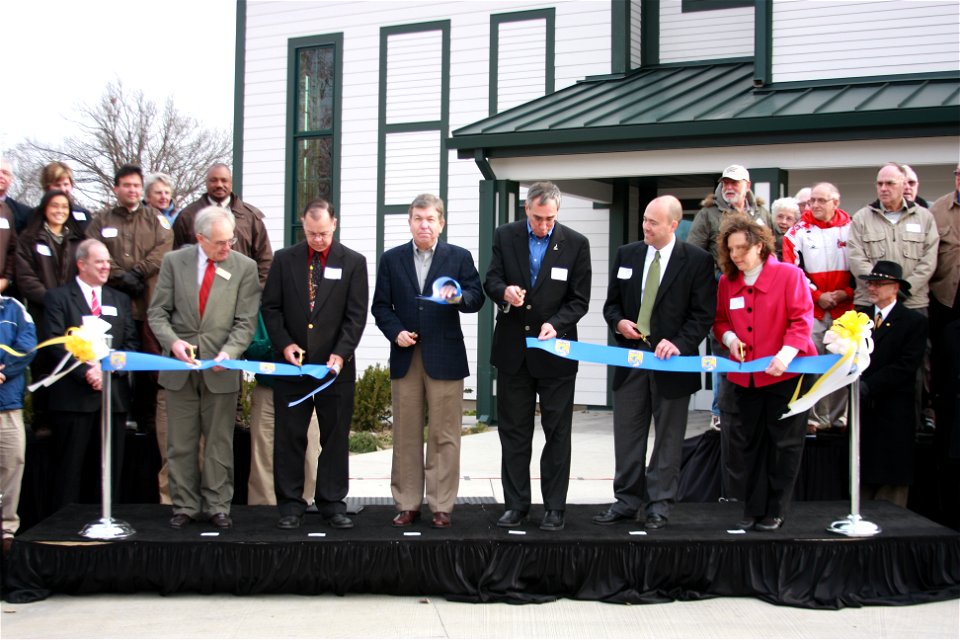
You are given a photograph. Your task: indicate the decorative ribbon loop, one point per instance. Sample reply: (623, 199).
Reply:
(438, 284)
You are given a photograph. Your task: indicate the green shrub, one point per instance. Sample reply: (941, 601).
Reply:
(364, 442)
(372, 408)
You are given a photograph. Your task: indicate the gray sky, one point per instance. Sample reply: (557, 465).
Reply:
(62, 53)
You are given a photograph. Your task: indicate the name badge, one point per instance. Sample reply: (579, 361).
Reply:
(332, 273)
(109, 232)
(4, 223)
(914, 227)
(43, 249)
(558, 273)
(736, 303)
(79, 215)
(624, 273)
(108, 310)
(223, 273)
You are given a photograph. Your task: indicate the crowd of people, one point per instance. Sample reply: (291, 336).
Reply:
(202, 282)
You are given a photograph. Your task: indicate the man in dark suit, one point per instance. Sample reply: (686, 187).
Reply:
(19, 212)
(75, 399)
(428, 360)
(888, 409)
(204, 308)
(539, 278)
(661, 300)
(315, 310)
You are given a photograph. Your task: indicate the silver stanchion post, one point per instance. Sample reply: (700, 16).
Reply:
(854, 525)
(107, 527)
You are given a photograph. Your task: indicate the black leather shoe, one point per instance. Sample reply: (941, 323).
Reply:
(769, 523)
(221, 521)
(511, 518)
(340, 521)
(180, 520)
(552, 520)
(288, 522)
(746, 523)
(655, 521)
(610, 517)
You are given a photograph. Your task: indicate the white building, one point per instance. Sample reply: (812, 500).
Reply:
(370, 103)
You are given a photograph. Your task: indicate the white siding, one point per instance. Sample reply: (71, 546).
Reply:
(582, 49)
(817, 39)
(704, 35)
(521, 62)
(636, 59)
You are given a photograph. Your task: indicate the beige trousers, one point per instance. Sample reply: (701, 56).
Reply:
(260, 485)
(412, 394)
(13, 449)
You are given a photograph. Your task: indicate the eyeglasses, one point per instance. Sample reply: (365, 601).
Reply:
(317, 235)
(820, 200)
(222, 244)
(913, 183)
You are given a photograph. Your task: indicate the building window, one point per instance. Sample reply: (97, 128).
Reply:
(522, 48)
(313, 126)
(414, 122)
(690, 6)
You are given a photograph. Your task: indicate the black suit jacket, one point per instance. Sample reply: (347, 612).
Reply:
(561, 297)
(682, 312)
(21, 213)
(64, 308)
(396, 308)
(888, 418)
(340, 310)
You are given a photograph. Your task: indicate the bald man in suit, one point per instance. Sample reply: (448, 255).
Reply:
(205, 307)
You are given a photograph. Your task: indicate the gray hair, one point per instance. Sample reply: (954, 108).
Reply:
(806, 191)
(157, 177)
(208, 215)
(834, 192)
(427, 201)
(541, 192)
(83, 249)
(785, 203)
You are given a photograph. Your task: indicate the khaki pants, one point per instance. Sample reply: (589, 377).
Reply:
(441, 472)
(260, 486)
(13, 448)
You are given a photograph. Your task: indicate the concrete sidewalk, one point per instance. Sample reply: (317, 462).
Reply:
(375, 616)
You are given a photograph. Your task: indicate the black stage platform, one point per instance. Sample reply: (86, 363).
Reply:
(913, 560)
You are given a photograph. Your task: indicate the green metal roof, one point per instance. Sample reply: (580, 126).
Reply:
(707, 104)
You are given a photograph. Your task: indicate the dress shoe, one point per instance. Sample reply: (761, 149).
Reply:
(552, 520)
(441, 520)
(746, 523)
(610, 517)
(769, 523)
(511, 518)
(288, 522)
(405, 518)
(180, 520)
(655, 521)
(221, 521)
(340, 521)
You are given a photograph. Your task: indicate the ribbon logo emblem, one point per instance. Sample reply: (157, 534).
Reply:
(635, 358)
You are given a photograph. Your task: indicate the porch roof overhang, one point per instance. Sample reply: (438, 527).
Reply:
(709, 105)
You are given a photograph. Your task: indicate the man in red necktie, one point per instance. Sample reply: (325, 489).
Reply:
(205, 308)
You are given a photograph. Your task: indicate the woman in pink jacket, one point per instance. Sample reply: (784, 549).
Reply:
(764, 309)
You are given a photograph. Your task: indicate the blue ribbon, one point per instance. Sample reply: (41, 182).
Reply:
(438, 284)
(637, 359)
(133, 361)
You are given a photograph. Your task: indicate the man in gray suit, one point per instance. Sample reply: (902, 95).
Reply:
(205, 307)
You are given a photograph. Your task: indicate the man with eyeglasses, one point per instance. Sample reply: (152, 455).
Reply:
(818, 245)
(252, 238)
(911, 186)
(315, 310)
(893, 228)
(205, 308)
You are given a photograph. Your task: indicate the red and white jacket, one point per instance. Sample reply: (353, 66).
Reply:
(820, 249)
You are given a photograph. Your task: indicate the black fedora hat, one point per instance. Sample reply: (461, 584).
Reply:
(887, 270)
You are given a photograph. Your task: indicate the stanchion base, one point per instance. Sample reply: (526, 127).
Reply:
(854, 527)
(107, 529)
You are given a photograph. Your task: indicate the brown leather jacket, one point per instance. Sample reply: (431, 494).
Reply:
(137, 241)
(252, 238)
(43, 264)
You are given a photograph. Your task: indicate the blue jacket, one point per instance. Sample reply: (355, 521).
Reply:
(18, 332)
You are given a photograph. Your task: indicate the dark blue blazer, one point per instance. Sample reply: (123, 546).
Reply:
(396, 308)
